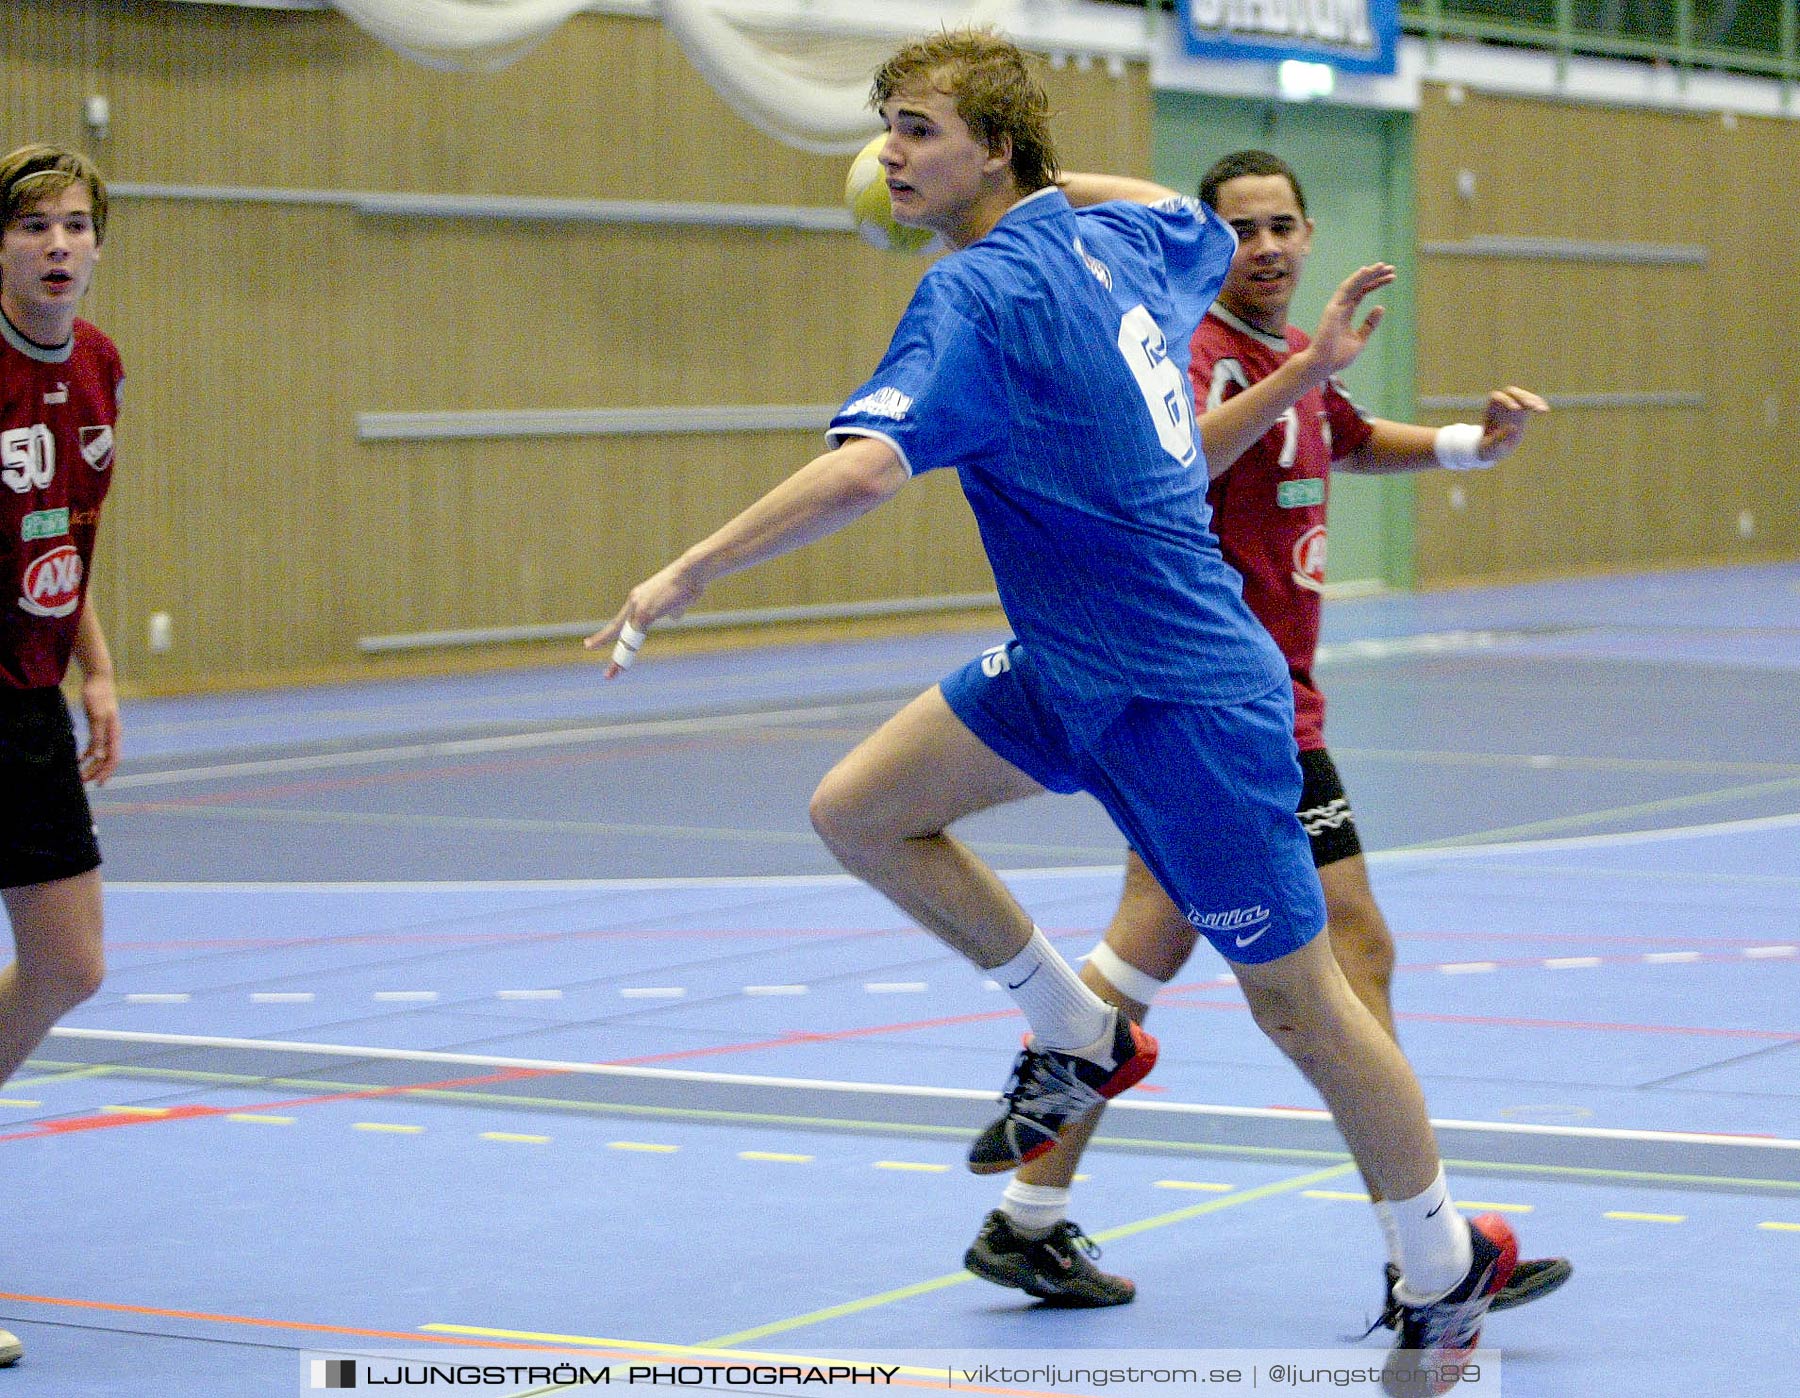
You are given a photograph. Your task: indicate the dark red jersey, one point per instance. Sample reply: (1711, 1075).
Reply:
(57, 410)
(1269, 507)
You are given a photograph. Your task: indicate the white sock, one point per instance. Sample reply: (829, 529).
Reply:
(1384, 1215)
(1435, 1251)
(1063, 1013)
(1033, 1209)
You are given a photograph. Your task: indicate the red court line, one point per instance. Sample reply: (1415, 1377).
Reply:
(310, 1327)
(109, 1120)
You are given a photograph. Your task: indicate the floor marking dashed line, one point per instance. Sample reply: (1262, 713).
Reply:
(1776, 952)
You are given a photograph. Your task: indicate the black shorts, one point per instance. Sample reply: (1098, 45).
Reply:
(1325, 810)
(46, 828)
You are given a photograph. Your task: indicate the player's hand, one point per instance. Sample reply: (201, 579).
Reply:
(1503, 425)
(663, 596)
(100, 758)
(1339, 339)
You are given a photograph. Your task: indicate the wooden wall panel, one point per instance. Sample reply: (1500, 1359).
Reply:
(1599, 488)
(255, 333)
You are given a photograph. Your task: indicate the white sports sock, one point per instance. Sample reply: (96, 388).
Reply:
(1384, 1215)
(1435, 1250)
(1033, 1209)
(1063, 1013)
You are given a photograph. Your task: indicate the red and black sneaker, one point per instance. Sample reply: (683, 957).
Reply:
(1050, 1087)
(1437, 1337)
(1532, 1278)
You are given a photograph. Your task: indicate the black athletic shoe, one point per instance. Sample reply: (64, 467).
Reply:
(1532, 1278)
(1436, 1338)
(1050, 1088)
(1056, 1269)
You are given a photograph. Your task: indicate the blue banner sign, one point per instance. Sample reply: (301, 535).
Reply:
(1357, 36)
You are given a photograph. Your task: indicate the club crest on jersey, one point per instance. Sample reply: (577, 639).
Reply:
(53, 583)
(97, 446)
(1309, 559)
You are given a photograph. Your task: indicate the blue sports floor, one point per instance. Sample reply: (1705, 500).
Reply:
(525, 1011)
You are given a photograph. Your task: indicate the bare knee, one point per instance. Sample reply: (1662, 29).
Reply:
(65, 980)
(846, 819)
(1360, 938)
(1306, 1014)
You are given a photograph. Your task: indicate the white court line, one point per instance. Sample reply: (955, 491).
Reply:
(1110, 871)
(500, 742)
(689, 1075)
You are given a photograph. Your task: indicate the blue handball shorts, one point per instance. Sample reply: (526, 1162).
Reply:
(1206, 794)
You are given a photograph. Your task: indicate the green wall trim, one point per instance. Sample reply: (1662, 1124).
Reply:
(1356, 166)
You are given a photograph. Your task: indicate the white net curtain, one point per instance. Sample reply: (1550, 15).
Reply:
(478, 35)
(775, 64)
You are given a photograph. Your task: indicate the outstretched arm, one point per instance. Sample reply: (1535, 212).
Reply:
(1084, 190)
(1403, 446)
(1232, 428)
(820, 498)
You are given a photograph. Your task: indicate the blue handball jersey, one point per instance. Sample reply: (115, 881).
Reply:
(1047, 364)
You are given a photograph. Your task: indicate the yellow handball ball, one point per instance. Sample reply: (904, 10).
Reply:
(866, 196)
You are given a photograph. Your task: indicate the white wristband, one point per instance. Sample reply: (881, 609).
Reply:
(1458, 447)
(631, 641)
(1123, 976)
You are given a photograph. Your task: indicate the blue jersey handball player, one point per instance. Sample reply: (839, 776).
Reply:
(1045, 360)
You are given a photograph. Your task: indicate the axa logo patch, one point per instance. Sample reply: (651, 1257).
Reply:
(1309, 559)
(53, 583)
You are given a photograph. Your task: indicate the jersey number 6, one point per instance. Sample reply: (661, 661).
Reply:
(1161, 381)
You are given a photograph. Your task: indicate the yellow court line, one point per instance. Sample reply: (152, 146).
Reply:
(651, 1146)
(1195, 1184)
(1495, 1208)
(258, 1119)
(1782, 1227)
(919, 1165)
(515, 1136)
(1351, 1196)
(390, 1126)
(1629, 1217)
(906, 1293)
(780, 1157)
(18, 1102)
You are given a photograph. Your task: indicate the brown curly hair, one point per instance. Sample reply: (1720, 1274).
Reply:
(995, 89)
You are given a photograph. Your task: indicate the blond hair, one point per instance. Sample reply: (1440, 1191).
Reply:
(37, 172)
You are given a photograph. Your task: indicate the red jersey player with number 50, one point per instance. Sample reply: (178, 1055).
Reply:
(59, 391)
